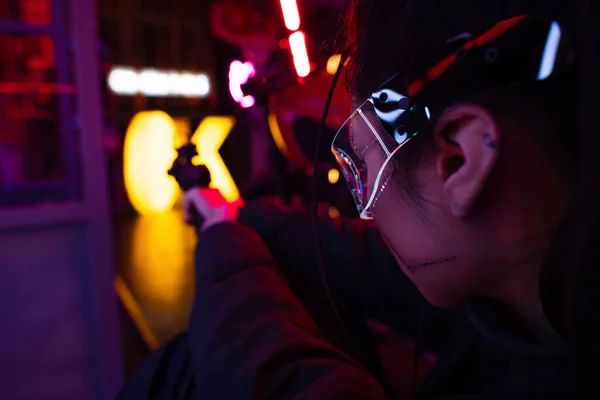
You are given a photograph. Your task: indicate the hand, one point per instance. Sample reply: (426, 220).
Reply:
(211, 205)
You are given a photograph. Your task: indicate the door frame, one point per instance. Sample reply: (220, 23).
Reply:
(102, 335)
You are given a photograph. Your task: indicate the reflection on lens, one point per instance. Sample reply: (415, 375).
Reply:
(357, 196)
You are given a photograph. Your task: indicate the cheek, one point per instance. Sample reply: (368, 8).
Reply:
(406, 231)
(414, 223)
(418, 237)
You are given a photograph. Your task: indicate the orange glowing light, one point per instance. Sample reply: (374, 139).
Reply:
(276, 134)
(333, 176)
(333, 212)
(300, 54)
(333, 63)
(209, 137)
(291, 16)
(148, 153)
(158, 285)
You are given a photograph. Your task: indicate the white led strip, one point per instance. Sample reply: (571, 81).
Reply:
(156, 83)
(550, 52)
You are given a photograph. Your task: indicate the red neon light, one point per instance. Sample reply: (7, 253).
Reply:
(36, 87)
(434, 73)
(291, 15)
(300, 54)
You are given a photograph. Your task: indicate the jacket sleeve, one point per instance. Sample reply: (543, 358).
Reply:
(249, 335)
(360, 268)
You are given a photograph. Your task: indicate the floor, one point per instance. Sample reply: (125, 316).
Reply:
(155, 283)
(155, 259)
(44, 347)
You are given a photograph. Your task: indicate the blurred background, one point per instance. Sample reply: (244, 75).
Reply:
(96, 263)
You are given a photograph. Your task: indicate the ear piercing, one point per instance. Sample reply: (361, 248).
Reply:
(494, 144)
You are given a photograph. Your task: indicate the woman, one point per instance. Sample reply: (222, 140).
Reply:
(457, 152)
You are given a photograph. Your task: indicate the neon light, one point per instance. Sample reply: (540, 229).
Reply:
(333, 213)
(550, 51)
(157, 83)
(297, 41)
(276, 134)
(300, 54)
(209, 137)
(239, 73)
(333, 176)
(149, 151)
(291, 16)
(36, 87)
(123, 81)
(333, 63)
(284, 44)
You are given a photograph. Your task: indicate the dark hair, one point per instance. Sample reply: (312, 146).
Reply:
(410, 36)
(407, 36)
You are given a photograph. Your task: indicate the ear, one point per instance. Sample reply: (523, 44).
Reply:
(468, 137)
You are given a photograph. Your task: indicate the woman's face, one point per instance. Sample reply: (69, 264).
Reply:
(414, 226)
(459, 221)
(424, 237)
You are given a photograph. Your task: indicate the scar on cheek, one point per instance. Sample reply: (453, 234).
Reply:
(432, 262)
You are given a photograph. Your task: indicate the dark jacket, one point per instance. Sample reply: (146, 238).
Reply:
(251, 336)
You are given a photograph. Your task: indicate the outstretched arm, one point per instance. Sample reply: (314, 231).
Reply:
(249, 335)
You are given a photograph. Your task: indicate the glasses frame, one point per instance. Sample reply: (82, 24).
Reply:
(507, 61)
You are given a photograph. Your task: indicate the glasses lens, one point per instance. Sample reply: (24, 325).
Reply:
(363, 149)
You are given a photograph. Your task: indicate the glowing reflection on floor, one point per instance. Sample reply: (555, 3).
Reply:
(157, 269)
